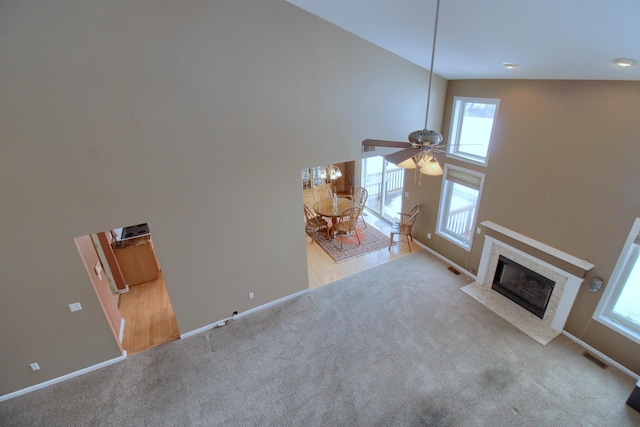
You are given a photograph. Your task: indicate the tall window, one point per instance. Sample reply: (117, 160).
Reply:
(619, 307)
(471, 127)
(461, 189)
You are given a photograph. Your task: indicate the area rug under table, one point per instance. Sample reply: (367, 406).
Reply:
(371, 240)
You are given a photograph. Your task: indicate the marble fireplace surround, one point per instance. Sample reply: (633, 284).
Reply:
(562, 297)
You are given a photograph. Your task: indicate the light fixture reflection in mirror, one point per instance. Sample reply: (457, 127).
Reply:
(331, 172)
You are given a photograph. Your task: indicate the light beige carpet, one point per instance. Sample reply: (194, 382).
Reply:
(396, 345)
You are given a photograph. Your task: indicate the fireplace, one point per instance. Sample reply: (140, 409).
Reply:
(523, 286)
(547, 290)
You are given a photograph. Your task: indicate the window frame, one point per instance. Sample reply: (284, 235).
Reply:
(629, 256)
(444, 208)
(457, 116)
(311, 178)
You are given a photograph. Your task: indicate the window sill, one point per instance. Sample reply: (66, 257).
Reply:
(464, 245)
(463, 158)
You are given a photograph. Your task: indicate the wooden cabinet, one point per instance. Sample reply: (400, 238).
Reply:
(137, 260)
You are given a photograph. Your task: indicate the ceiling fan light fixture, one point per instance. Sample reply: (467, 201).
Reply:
(432, 168)
(424, 140)
(408, 164)
(424, 159)
(423, 136)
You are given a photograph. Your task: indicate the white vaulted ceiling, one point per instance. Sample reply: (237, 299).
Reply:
(548, 39)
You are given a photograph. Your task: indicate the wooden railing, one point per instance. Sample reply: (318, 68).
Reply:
(460, 221)
(394, 182)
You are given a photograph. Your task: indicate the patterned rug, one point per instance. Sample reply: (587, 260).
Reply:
(371, 240)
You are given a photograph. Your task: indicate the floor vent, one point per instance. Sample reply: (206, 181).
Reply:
(453, 270)
(598, 362)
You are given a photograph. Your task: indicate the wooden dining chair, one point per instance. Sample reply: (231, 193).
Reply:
(346, 225)
(322, 192)
(314, 224)
(360, 196)
(403, 228)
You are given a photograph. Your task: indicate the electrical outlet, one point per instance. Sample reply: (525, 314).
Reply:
(35, 367)
(75, 307)
(250, 295)
(428, 235)
(406, 194)
(478, 230)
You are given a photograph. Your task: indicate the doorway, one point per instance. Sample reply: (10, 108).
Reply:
(384, 182)
(136, 284)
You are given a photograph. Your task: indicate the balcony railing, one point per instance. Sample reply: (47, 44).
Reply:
(394, 182)
(460, 221)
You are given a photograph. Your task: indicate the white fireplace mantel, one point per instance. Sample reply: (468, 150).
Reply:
(580, 263)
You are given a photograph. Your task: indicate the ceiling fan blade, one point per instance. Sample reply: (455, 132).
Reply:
(382, 143)
(400, 156)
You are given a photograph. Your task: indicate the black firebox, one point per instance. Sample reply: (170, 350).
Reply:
(523, 286)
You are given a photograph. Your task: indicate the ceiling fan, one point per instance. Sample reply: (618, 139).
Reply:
(423, 144)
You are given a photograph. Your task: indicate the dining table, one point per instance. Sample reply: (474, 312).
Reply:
(326, 209)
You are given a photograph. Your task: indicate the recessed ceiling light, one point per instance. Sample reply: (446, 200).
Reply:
(625, 62)
(510, 65)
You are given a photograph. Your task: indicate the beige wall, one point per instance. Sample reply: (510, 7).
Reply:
(193, 116)
(562, 170)
(197, 117)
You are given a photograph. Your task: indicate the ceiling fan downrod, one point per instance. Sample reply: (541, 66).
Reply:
(431, 137)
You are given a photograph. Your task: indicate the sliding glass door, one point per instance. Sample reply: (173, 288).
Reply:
(384, 182)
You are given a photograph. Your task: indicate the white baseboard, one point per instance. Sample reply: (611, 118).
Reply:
(448, 261)
(124, 353)
(244, 313)
(63, 378)
(601, 355)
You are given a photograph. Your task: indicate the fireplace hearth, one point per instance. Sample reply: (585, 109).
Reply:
(523, 286)
(540, 293)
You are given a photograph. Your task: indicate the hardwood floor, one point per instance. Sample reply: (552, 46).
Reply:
(149, 316)
(323, 270)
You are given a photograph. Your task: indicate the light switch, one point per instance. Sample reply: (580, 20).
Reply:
(98, 270)
(75, 307)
